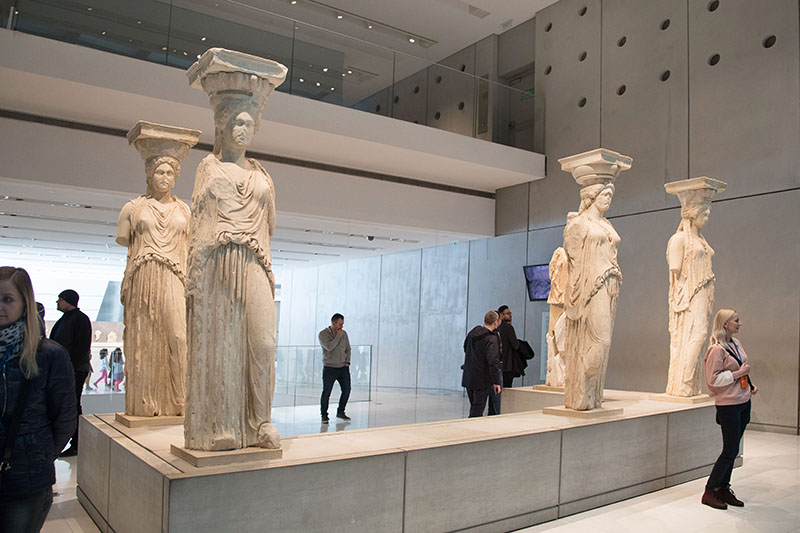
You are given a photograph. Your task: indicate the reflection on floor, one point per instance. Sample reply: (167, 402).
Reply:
(767, 482)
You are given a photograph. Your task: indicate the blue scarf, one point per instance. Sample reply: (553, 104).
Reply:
(11, 339)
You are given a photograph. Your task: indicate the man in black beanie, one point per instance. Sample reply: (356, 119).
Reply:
(73, 331)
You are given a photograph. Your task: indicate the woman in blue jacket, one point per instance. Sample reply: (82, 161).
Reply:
(48, 415)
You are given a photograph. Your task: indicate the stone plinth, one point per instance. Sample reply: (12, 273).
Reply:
(700, 398)
(600, 412)
(201, 458)
(147, 421)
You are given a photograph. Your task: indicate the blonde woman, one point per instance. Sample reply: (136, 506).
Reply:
(728, 381)
(37, 405)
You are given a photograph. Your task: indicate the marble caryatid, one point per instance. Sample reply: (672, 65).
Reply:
(558, 270)
(230, 285)
(155, 229)
(594, 277)
(691, 285)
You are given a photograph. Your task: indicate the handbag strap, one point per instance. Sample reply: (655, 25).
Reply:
(12, 428)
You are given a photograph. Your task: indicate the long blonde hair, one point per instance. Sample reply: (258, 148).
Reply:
(718, 335)
(22, 282)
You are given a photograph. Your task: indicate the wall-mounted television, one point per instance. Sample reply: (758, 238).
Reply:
(538, 280)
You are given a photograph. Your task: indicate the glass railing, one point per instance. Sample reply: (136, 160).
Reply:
(300, 375)
(299, 378)
(323, 65)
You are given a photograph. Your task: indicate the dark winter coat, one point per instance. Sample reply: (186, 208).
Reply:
(481, 359)
(509, 346)
(73, 331)
(48, 420)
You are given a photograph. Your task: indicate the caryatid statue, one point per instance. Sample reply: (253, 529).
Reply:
(558, 270)
(155, 228)
(594, 277)
(230, 286)
(691, 285)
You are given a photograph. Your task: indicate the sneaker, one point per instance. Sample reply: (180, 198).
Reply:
(711, 497)
(325, 419)
(341, 415)
(727, 495)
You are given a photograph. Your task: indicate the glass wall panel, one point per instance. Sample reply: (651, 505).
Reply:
(134, 29)
(196, 27)
(341, 70)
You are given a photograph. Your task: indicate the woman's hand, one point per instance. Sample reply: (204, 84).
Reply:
(754, 390)
(743, 371)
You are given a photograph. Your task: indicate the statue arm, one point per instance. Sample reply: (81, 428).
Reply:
(125, 225)
(675, 249)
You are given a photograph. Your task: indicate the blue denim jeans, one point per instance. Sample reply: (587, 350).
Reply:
(331, 375)
(25, 514)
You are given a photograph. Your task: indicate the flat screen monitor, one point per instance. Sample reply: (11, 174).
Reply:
(538, 279)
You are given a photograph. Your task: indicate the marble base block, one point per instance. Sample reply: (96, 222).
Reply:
(148, 421)
(202, 458)
(663, 397)
(548, 388)
(591, 413)
(401, 478)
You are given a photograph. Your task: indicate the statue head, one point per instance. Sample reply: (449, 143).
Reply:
(161, 172)
(162, 148)
(599, 194)
(695, 197)
(236, 121)
(238, 86)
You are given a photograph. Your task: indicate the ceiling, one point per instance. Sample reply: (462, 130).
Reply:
(56, 227)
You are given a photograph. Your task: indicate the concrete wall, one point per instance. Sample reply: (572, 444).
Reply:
(737, 120)
(414, 308)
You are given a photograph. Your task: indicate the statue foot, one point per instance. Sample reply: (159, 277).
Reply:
(268, 437)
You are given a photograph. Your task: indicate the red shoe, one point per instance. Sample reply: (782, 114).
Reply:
(711, 497)
(727, 495)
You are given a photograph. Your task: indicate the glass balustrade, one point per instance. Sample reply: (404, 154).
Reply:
(323, 65)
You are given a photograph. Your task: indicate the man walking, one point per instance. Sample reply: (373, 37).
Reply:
(482, 363)
(73, 331)
(336, 366)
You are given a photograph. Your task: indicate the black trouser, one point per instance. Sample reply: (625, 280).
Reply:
(733, 419)
(477, 401)
(331, 375)
(80, 377)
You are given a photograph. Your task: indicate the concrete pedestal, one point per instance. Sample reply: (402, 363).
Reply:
(404, 478)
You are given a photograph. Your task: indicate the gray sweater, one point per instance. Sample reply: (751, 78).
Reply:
(335, 348)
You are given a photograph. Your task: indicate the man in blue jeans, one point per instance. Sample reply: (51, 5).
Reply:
(336, 365)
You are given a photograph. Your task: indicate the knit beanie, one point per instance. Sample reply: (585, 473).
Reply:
(69, 296)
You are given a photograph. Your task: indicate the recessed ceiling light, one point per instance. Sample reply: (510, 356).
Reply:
(202, 38)
(349, 71)
(369, 26)
(343, 74)
(332, 89)
(138, 22)
(88, 9)
(325, 69)
(102, 33)
(294, 2)
(198, 56)
(339, 17)
(318, 84)
(411, 40)
(301, 80)
(164, 48)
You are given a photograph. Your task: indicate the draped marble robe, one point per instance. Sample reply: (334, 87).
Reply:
(591, 305)
(155, 310)
(691, 303)
(230, 309)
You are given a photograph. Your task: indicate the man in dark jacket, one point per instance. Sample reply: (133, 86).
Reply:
(482, 363)
(73, 331)
(509, 346)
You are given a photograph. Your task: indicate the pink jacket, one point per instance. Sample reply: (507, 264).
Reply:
(721, 368)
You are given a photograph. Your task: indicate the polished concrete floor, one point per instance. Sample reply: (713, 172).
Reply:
(768, 482)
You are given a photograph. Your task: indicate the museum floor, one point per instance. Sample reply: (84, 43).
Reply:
(767, 482)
